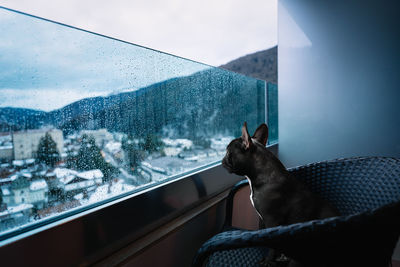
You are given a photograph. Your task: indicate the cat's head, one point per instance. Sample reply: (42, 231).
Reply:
(240, 153)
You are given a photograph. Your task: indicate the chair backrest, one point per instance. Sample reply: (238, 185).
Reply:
(355, 184)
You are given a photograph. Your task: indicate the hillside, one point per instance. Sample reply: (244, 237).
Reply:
(194, 105)
(261, 65)
(20, 118)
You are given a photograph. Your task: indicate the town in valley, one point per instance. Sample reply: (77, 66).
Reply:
(44, 172)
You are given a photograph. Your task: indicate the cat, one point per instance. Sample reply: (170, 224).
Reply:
(278, 197)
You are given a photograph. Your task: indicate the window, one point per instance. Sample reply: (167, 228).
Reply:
(104, 119)
(91, 127)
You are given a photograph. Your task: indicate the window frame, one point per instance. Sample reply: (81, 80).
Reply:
(112, 225)
(92, 234)
(86, 234)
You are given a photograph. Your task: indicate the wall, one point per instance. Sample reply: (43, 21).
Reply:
(338, 65)
(6, 153)
(25, 143)
(179, 246)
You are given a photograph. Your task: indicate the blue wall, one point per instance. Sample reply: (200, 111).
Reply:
(339, 79)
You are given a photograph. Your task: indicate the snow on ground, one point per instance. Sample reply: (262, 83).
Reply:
(180, 142)
(172, 151)
(14, 209)
(220, 143)
(113, 147)
(92, 174)
(106, 191)
(65, 175)
(29, 161)
(175, 166)
(18, 163)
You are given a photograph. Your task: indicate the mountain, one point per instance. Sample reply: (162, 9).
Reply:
(195, 105)
(261, 65)
(14, 119)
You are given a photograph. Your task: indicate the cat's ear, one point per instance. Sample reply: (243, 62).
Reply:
(246, 139)
(261, 134)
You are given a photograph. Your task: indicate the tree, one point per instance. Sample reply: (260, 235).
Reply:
(47, 151)
(202, 142)
(133, 154)
(152, 143)
(90, 157)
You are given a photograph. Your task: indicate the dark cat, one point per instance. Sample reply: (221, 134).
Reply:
(278, 197)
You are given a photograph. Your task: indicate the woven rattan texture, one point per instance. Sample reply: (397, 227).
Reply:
(354, 185)
(237, 257)
(359, 187)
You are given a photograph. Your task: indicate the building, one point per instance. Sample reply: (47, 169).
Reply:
(101, 136)
(72, 182)
(6, 152)
(23, 191)
(14, 216)
(6, 147)
(26, 143)
(87, 180)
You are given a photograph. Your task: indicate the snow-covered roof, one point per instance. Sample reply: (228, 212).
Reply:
(67, 179)
(30, 161)
(26, 175)
(146, 164)
(50, 174)
(72, 136)
(5, 191)
(63, 172)
(9, 179)
(105, 191)
(113, 146)
(154, 168)
(14, 209)
(38, 185)
(178, 142)
(13, 177)
(18, 163)
(172, 151)
(65, 175)
(6, 147)
(92, 174)
(220, 143)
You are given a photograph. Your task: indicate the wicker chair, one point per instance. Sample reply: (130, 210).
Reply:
(365, 190)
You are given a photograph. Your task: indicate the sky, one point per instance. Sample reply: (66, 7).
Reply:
(209, 31)
(46, 66)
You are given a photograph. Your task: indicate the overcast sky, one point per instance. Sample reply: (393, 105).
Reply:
(209, 31)
(47, 66)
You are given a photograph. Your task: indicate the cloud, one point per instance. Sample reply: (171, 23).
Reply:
(43, 99)
(39, 60)
(208, 31)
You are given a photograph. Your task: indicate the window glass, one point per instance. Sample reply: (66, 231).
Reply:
(85, 118)
(272, 107)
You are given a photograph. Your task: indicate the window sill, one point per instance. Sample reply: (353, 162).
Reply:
(87, 236)
(131, 222)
